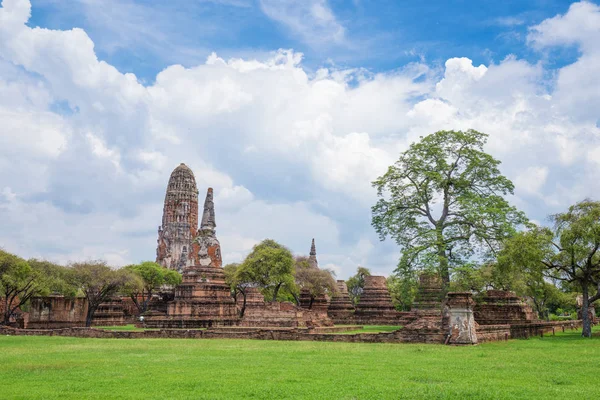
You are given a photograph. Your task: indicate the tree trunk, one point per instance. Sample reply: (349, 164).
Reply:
(243, 310)
(90, 316)
(296, 299)
(443, 259)
(585, 316)
(276, 291)
(6, 316)
(311, 302)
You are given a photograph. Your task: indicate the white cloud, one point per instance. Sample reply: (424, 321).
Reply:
(86, 151)
(312, 20)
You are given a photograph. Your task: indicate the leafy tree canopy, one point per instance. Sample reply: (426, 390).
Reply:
(269, 266)
(98, 282)
(443, 200)
(566, 252)
(147, 277)
(356, 284)
(317, 282)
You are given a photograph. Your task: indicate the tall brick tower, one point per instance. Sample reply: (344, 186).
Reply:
(179, 221)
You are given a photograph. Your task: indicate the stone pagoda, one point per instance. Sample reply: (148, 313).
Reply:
(179, 221)
(341, 309)
(321, 303)
(203, 299)
(375, 304)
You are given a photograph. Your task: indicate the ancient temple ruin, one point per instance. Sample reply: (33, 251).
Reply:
(503, 307)
(375, 305)
(341, 309)
(179, 221)
(203, 299)
(110, 313)
(56, 311)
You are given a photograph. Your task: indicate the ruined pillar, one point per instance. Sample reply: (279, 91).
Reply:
(462, 326)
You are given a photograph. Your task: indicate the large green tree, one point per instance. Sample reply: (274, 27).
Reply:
(98, 282)
(20, 280)
(270, 266)
(151, 276)
(569, 252)
(443, 200)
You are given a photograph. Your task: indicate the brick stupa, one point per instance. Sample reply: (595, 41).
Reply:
(341, 309)
(375, 305)
(109, 313)
(179, 221)
(503, 307)
(203, 298)
(429, 294)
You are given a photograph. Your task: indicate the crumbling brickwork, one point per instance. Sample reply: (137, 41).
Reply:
(57, 311)
(180, 220)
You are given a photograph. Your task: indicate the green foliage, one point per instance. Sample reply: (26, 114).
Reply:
(98, 282)
(568, 252)
(403, 289)
(20, 280)
(58, 278)
(356, 284)
(269, 266)
(317, 282)
(443, 201)
(75, 368)
(144, 279)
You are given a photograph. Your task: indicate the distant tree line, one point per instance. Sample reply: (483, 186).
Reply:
(20, 280)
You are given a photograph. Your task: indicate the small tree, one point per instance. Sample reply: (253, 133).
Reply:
(444, 199)
(151, 276)
(317, 282)
(270, 266)
(229, 271)
(567, 252)
(241, 277)
(403, 289)
(98, 282)
(356, 284)
(18, 283)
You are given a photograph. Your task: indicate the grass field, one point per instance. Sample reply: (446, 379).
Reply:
(564, 366)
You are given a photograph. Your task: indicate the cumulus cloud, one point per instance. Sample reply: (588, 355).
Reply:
(86, 150)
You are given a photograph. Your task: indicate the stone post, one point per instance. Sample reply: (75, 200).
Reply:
(462, 327)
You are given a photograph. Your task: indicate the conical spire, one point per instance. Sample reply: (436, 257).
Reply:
(312, 259)
(208, 217)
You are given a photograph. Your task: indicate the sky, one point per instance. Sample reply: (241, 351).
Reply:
(288, 109)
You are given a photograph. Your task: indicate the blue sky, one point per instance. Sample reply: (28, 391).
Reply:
(378, 35)
(288, 109)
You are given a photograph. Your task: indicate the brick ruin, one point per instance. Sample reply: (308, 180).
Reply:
(203, 298)
(179, 221)
(375, 305)
(340, 308)
(503, 307)
(55, 311)
(110, 313)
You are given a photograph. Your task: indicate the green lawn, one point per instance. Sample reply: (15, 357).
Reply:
(561, 367)
(130, 328)
(372, 329)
